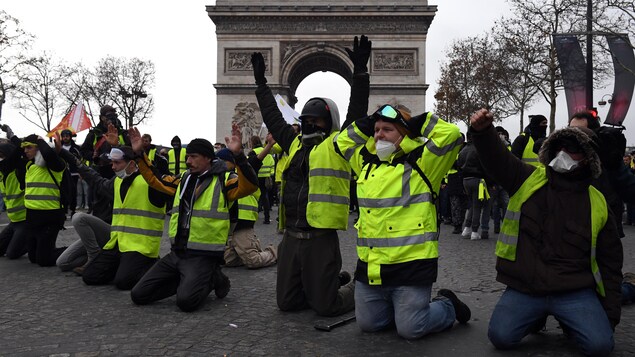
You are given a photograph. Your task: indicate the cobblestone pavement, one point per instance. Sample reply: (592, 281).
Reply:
(46, 312)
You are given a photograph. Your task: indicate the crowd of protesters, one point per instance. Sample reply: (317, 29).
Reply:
(556, 202)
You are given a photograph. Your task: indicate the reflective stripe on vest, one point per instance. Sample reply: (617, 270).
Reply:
(508, 237)
(209, 220)
(137, 224)
(529, 156)
(268, 164)
(248, 207)
(41, 192)
(13, 197)
(329, 185)
(172, 161)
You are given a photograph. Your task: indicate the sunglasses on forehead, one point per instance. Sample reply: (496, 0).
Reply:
(388, 113)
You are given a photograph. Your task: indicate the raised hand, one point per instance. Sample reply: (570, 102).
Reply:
(481, 119)
(135, 140)
(112, 135)
(234, 144)
(58, 142)
(360, 54)
(258, 64)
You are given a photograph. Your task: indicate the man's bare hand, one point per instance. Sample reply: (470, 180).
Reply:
(135, 140)
(58, 142)
(270, 140)
(234, 144)
(112, 136)
(481, 119)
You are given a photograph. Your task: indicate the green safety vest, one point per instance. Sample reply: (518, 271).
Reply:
(329, 185)
(248, 207)
(508, 238)
(172, 161)
(137, 224)
(268, 164)
(529, 156)
(13, 197)
(41, 192)
(151, 154)
(209, 220)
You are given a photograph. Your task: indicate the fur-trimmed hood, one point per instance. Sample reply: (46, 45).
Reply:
(583, 136)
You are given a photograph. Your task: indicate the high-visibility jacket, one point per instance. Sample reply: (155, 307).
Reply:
(508, 238)
(398, 217)
(329, 185)
(268, 164)
(151, 153)
(172, 161)
(13, 197)
(209, 217)
(41, 191)
(529, 156)
(248, 207)
(137, 224)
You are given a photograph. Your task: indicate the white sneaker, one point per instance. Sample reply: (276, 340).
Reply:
(475, 236)
(466, 232)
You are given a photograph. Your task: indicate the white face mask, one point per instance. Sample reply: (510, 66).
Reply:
(384, 149)
(122, 174)
(563, 163)
(39, 160)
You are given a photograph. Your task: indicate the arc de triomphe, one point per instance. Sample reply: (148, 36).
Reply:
(298, 39)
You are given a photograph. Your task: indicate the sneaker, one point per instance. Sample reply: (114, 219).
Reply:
(475, 236)
(266, 221)
(344, 277)
(457, 230)
(485, 235)
(461, 310)
(221, 283)
(466, 232)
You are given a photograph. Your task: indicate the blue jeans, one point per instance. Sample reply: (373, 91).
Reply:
(407, 307)
(628, 293)
(579, 312)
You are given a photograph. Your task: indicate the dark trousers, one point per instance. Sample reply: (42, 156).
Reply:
(123, 268)
(190, 278)
(308, 275)
(72, 203)
(41, 239)
(13, 240)
(264, 197)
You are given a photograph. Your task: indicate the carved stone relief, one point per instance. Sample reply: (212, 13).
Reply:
(246, 115)
(352, 25)
(238, 61)
(391, 61)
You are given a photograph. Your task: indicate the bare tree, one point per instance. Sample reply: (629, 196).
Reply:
(14, 43)
(471, 79)
(127, 83)
(38, 95)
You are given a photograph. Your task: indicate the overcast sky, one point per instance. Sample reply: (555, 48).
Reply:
(179, 38)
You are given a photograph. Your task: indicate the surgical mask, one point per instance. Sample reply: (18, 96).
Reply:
(39, 160)
(563, 163)
(122, 174)
(384, 149)
(503, 138)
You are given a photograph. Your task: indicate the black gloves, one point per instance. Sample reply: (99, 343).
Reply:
(360, 54)
(258, 64)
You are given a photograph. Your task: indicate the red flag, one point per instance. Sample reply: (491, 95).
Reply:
(76, 120)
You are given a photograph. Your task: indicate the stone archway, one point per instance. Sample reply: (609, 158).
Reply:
(298, 39)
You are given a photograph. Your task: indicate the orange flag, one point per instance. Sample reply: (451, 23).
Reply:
(76, 120)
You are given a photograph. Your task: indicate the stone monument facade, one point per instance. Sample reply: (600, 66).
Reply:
(298, 39)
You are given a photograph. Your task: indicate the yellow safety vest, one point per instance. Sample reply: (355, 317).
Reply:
(529, 156)
(248, 207)
(172, 161)
(268, 164)
(13, 197)
(209, 221)
(41, 192)
(151, 154)
(137, 224)
(329, 185)
(508, 238)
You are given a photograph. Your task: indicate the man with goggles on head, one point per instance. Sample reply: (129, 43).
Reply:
(399, 176)
(314, 194)
(130, 245)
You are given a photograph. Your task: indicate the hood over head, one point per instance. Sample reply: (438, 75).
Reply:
(580, 136)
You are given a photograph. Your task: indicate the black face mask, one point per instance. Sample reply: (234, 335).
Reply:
(312, 134)
(538, 132)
